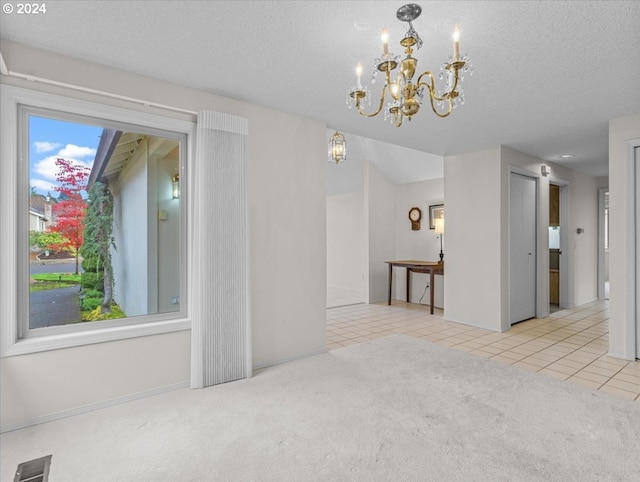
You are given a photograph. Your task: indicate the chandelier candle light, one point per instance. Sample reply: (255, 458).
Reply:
(406, 96)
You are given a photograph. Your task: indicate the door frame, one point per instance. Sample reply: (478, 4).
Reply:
(601, 233)
(632, 255)
(567, 299)
(628, 232)
(634, 154)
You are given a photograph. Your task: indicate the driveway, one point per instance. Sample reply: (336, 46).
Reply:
(63, 266)
(59, 306)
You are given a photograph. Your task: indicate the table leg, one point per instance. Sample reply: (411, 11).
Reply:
(408, 284)
(431, 287)
(390, 277)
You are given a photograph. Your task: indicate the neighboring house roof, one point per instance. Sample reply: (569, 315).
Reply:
(116, 149)
(109, 140)
(37, 213)
(38, 202)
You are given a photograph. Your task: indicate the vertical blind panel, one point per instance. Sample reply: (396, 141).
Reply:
(221, 249)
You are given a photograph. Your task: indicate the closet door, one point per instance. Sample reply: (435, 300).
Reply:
(522, 248)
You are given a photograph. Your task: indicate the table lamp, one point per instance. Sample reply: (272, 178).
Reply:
(439, 225)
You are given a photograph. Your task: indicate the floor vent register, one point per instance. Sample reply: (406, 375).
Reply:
(34, 470)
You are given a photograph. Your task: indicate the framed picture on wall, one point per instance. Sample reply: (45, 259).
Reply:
(435, 211)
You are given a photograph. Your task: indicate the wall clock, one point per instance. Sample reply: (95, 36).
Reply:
(415, 215)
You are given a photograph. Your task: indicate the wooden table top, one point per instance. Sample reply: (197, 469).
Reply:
(413, 262)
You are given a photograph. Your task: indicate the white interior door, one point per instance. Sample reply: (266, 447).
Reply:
(522, 248)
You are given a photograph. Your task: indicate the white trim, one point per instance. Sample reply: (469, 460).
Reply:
(630, 232)
(102, 93)
(3, 66)
(567, 281)
(292, 358)
(601, 234)
(95, 406)
(12, 98)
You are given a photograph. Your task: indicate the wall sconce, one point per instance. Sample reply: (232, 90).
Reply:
(337, 148)
(175, 186)
(439, 227)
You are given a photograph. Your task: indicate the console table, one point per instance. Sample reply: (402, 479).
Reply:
(431, 267)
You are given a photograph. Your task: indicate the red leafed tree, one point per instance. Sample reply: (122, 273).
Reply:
(71, 207)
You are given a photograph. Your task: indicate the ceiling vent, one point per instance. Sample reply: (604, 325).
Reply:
(34, 471)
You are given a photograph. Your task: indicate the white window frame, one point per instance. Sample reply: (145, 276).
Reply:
(14, 162)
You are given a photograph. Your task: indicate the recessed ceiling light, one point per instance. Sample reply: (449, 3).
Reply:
(566, 156)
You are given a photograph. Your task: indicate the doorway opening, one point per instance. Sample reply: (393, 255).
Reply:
(560, 285)
(555, 250)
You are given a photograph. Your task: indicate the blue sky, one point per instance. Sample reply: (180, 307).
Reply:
(50, 139)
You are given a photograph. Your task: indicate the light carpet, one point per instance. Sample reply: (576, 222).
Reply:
(392, 409)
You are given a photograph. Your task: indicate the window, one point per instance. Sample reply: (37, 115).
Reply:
(99, 218)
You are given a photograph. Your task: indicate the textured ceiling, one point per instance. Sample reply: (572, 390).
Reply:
(549, 75)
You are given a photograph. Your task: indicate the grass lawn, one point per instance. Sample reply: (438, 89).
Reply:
(49, 281)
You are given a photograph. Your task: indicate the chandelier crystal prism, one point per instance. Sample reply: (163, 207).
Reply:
(405, 97)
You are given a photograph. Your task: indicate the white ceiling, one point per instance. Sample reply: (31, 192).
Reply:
(549, 75)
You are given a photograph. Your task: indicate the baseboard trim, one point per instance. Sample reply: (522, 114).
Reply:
(94, 406)
(290, 359)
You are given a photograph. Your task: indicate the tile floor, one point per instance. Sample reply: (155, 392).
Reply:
(569, 345)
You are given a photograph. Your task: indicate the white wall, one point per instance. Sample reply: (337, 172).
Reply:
(422, 244)
(473, 210)
(38, 387)
(131, 258)
(288, 253)
(622, 294)
(480, 296)
(380, 214)
(346, 263)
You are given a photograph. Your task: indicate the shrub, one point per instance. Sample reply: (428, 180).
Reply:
(92, 281)
(93, 294)
(90, 264)
(96, 314)
(89, 304)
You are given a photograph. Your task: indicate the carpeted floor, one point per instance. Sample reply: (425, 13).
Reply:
(392, 409)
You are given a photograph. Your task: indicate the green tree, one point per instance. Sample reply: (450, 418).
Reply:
(45, 239)
(98, 236)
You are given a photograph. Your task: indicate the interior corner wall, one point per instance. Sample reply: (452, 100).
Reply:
(420, 244)
(345, 241)
(621, 292)
(380, 212)
(474, 236)
(287, 200)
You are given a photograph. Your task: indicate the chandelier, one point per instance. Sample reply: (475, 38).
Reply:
(337, 148)
(405, 95)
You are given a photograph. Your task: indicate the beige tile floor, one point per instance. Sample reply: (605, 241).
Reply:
(569, 345)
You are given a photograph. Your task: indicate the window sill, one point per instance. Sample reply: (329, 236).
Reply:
(69, 340)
